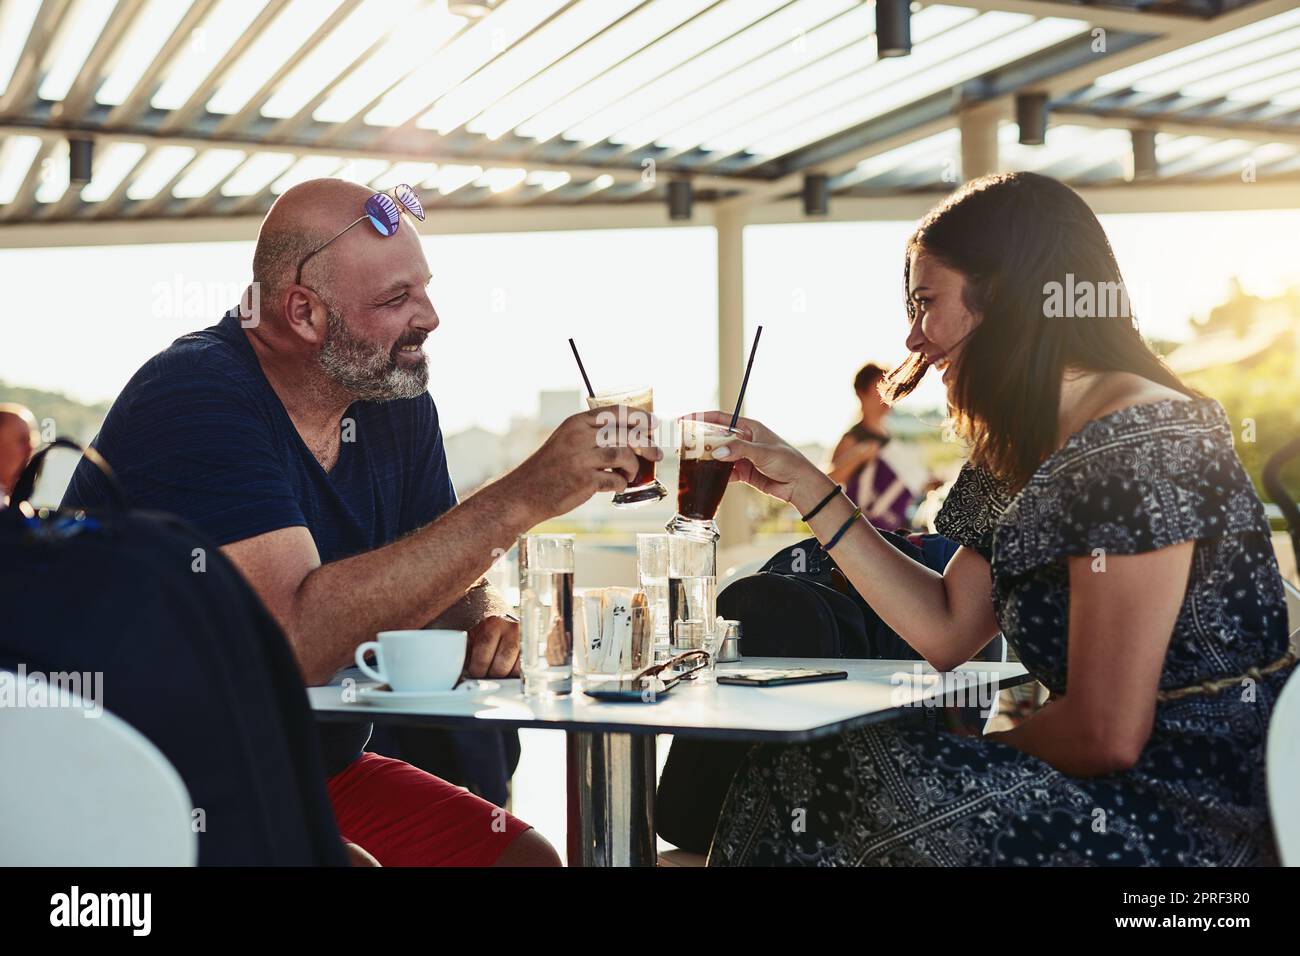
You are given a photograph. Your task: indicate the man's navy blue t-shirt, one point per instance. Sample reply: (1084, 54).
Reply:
(200, 433)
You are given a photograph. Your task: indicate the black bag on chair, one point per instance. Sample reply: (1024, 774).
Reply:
(799, 604)
(189, 657)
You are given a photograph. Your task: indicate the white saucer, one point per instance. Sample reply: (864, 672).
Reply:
(384, 696)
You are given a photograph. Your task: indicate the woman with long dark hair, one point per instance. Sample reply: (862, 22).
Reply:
(1107, 528)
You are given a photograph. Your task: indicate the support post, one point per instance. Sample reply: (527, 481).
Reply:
(733, 520)
(979, 142)
(1145, 163)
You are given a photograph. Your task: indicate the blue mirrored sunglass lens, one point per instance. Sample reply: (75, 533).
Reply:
(383, 212)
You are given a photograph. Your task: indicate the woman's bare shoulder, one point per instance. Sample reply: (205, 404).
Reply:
(1121, 390)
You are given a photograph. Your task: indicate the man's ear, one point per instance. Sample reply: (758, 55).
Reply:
(305, 314)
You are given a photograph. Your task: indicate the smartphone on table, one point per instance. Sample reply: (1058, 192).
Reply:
(774, 677)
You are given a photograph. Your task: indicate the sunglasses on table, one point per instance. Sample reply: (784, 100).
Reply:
(383, 211)
(647, 686)
(689, 662)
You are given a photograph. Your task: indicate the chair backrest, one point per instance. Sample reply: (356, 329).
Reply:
(1283, 771)
(84, 788)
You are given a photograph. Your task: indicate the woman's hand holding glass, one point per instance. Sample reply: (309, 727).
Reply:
(770, 464)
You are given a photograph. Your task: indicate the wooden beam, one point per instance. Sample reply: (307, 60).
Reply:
(263, 144)
(1111, 18)
(1219, 129)
(569, 218)
(1104, 200)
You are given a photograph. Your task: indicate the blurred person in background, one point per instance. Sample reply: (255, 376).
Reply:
(884, 482)
(18, 438)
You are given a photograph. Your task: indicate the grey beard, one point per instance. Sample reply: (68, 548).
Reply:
(368, 372)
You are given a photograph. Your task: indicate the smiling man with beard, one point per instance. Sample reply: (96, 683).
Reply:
(305, 442)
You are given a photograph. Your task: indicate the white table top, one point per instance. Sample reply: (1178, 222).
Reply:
(875, 690)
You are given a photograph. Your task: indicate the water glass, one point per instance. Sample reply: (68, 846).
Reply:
(546, 614)
(692, 584)
(652, 573)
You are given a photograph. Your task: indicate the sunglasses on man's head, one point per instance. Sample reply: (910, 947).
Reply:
(383, 211)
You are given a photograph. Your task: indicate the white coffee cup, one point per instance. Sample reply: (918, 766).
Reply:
(416, 661)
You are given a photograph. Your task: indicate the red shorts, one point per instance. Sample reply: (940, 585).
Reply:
(403, 816)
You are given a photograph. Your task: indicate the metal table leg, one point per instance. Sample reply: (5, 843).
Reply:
(611, 791)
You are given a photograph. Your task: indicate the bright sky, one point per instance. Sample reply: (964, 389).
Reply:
(642, 305)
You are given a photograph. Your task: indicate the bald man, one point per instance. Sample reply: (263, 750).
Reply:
(18, 436)
(304, 440)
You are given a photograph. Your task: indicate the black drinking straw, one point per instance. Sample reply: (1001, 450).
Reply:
(744, 383)
(590, 391)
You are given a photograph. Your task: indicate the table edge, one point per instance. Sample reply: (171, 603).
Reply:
(394, 718)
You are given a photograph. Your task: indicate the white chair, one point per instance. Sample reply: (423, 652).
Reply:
(79, 790)
(1282, 759)
(1283, 763)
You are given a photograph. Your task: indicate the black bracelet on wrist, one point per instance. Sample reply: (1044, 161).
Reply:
(835, 539)
(820, 505)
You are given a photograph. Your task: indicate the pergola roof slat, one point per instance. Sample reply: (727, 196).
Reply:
(259, 98)
(137, 101)
(115, 199)
(25, 198)
(26, 76)
(185, 115)
(120, 22)
(355, 123)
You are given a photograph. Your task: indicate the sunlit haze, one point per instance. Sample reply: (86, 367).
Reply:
(641, 303)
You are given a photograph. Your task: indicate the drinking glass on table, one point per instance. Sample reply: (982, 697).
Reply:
(701, 479)
(546, 614)
(692, 585)
(652, 573)
(644, 486)
(616, 639)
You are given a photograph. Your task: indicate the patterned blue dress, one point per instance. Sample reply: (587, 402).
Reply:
(907, 794)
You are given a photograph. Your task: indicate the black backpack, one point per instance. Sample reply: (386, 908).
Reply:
(190, 658)
(799, 604)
